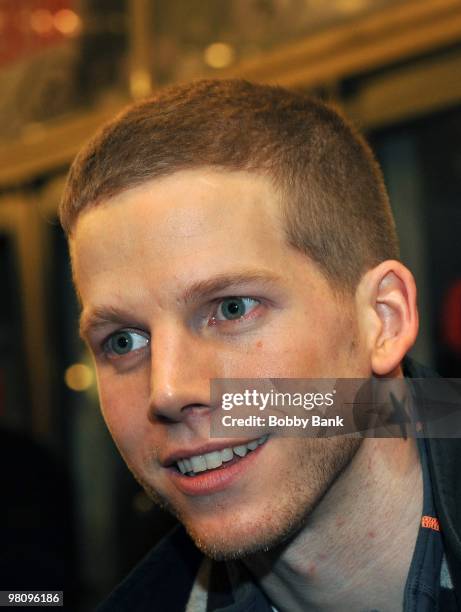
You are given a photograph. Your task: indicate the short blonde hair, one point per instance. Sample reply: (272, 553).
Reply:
(335, 205)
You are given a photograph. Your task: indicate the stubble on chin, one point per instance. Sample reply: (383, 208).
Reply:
(283, 515)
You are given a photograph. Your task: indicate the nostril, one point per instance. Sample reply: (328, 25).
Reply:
(163, 419)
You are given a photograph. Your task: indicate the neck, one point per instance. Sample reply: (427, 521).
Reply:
(355, 551)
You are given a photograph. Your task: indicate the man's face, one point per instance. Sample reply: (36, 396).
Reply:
(155, 268)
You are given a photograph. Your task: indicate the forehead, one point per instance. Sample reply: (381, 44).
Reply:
(185, 203)
(179, 225)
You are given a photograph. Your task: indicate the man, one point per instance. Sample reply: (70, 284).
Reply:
(230, 230)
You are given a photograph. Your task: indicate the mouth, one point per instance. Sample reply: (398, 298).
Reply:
(215, 471)
(191, 466)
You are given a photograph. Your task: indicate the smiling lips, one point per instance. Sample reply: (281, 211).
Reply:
(213, 472)
(210, 461)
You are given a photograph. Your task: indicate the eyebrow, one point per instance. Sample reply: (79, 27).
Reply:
(205, 288)
(99, 316)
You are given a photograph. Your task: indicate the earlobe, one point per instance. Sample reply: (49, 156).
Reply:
(390, 291)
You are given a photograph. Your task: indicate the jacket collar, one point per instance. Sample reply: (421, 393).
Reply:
(444, 459)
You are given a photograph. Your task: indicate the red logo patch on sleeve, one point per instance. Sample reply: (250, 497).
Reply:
(430, 523)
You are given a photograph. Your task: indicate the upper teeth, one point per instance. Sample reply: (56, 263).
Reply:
(210, 461)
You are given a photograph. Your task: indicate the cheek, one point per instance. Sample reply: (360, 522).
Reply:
(275, 356)
(310, 344)
(293, 348)
(124, 406)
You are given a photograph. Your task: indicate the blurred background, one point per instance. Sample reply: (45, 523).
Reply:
(72, 516)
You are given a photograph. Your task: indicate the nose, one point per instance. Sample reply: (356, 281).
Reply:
(181, 369)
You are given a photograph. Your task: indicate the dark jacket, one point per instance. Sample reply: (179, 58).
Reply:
(162, 581)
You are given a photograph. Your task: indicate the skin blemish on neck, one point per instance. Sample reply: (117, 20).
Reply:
(259, 344)
(311, 570)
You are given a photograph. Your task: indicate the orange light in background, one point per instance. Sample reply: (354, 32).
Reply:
(67, 22)
(219, 55)
(140, 84)
(79, 377)
(351, 6)
(41, 21)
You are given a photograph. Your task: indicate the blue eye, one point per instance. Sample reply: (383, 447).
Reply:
(124, 342)
(235, 308)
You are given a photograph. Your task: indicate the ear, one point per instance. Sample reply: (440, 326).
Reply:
(387, 302)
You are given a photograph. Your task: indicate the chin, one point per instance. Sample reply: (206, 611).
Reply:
(240, 535)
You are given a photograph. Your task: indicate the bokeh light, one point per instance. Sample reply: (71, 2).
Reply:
(219, 55)
(79, 377)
